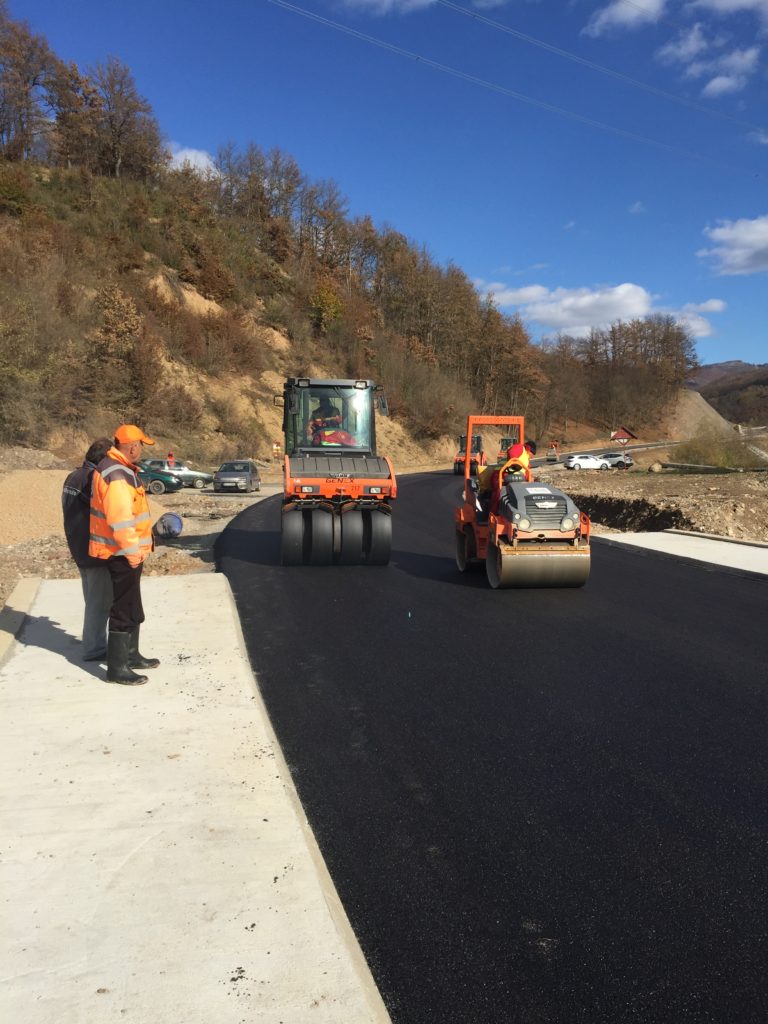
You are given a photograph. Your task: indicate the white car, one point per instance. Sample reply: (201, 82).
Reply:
(586, 462)
(618, 460)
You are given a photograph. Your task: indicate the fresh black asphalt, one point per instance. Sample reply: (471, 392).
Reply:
(537, 806)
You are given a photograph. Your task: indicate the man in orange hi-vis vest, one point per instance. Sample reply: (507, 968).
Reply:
(121, 535)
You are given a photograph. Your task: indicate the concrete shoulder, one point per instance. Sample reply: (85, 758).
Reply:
(740, 556)
(158, 859)
(14, 612)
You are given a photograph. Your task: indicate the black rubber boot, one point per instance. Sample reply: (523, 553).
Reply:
(118, 669)
(136, 660)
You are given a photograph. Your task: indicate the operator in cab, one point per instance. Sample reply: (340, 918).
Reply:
(516, 466)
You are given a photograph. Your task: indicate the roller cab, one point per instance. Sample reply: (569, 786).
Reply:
(525, 533)
(505, 443)
(477, 456)
(338, 493)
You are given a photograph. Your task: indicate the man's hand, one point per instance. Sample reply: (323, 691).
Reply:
(134, 561)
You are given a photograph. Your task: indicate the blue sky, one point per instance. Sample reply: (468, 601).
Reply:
(581, 161)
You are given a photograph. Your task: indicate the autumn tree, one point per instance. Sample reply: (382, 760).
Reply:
(77, 107)
(128, 135)
(26, 67)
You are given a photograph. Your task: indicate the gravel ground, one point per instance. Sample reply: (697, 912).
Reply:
(32, 541)
(31, 531)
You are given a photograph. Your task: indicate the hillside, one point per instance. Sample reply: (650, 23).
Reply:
(176, 298)
(709, 373)
(742, 397)
(738, 390)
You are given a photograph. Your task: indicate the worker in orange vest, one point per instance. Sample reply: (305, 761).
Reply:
(121, 535)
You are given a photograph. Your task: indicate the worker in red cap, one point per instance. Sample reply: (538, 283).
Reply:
(121, 535)
(491, 479)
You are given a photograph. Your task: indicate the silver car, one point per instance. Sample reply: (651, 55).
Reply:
(239, 475)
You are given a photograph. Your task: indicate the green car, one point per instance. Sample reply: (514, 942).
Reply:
(158, 483)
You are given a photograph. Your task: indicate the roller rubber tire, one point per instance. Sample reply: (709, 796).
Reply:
(321, 537)
(377, 538)
(462, 552)
(291, 538)
(351, 545)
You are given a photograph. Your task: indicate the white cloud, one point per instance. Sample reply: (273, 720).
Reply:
(407, 6)
(569, 226)
(760, 136)
(732, 71)
(690, 316)
(689, 44)
(740, 62)
(637, 207)
(721, 85)
(710, 306)
(758, 7)
(197, 159)
(623, 15)
(741, 246)
(729, 71)
(573, 310)
(576, 311)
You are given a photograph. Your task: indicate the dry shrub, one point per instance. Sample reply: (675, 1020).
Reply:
(15, 189)
(246, 434)
(710, 448)
(204, 267)
(177, 407)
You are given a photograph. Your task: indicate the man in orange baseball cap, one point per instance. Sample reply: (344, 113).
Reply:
(129, 434)
(121, 535)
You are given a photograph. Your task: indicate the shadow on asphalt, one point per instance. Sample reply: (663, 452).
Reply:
(437, 567)
(260, 547)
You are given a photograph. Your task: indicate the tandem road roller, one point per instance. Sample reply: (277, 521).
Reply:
(527, 533)
(338, 493)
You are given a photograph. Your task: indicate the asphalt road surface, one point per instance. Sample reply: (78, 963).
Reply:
(537, 806)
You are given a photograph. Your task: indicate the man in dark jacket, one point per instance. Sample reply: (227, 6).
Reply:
(94, 575)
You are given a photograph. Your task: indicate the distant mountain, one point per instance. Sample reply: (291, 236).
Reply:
(739, 391)
(712, 372)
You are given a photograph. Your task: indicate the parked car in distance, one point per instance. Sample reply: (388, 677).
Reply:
(238, 475)
(586, 462)
(618, 460)
(157, 482)
(188, 476)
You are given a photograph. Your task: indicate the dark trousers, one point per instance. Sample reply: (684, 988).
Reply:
(127, 611)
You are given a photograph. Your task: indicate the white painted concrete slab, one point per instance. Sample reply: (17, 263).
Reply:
(732, 555)
(155, 865)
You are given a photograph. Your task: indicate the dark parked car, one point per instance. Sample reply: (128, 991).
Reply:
(188, 476)
(157, 482)
(238, 475)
